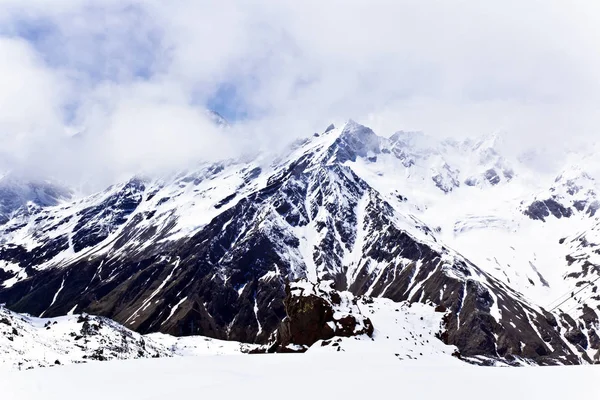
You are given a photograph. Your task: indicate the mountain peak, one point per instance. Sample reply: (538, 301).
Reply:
(356, 140)
(217, 118)
(492, 143)
(16, 192)
(412, 138)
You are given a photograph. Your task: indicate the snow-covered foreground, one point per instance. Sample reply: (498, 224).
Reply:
(297, 376)
(404, 330)
(403, 359)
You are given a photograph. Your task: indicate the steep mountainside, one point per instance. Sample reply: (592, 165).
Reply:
(220, 250)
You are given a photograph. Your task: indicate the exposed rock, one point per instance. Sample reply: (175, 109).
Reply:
(576, 337)
(594, 340)
(492, 176)
(540, 210)
(316, 313)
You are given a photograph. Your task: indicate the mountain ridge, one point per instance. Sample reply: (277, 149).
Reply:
(211, 251)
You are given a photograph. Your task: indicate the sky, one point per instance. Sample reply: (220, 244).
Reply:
(133, 78)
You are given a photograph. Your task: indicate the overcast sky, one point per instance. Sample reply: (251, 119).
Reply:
(136, 76)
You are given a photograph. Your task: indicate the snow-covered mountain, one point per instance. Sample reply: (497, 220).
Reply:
(27, 342)
(27, 196)
(281, 251)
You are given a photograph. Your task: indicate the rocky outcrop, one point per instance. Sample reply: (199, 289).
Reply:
(540, 210)
(27, 342)
(318, 312)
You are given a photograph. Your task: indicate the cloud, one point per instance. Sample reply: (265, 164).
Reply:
(30, 100)
(137, 75)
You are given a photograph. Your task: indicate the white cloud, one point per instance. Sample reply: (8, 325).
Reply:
(140, 72)
(30, 100)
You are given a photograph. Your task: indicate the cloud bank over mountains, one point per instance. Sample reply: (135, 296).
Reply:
(132, 79)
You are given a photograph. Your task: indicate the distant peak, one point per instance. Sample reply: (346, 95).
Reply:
(358, 131)
(356, 140)
(405, 136)
(329, 128)
(217, 118)
(352, 124)
(416, 140)
(489, 141)
(573, 172)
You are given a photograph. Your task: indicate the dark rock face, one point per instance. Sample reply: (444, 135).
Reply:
(492, 176)
(577, 337)
(508, 174)
(310, 317)
(472, 181)
(557, 209)
(306, 321)
(98, 222)
(593, 208)
(540, 210)
(225, 200)
(594, 340)
(537, 210)
(446, 180)
(580, 205)
(35, 256)
(589, 207)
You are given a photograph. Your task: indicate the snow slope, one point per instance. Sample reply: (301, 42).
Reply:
(408, 331)
(334, 376)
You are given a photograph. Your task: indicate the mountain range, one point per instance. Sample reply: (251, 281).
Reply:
(289, 250)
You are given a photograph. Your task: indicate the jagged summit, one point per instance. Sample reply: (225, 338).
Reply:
(356, 140)
(329, 128)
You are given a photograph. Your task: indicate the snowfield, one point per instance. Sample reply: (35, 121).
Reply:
(404, 358)
(298, 376)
